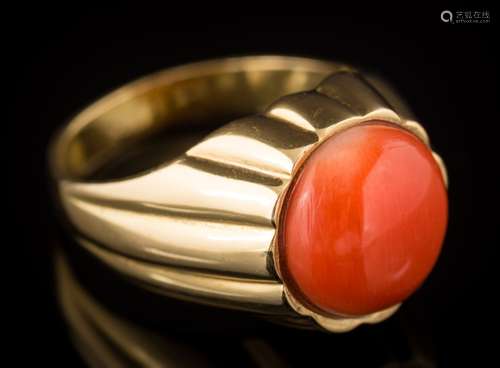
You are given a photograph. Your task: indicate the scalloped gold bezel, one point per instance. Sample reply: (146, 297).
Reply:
(339, 322)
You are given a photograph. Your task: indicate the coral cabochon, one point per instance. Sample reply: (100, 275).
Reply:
(364, 221)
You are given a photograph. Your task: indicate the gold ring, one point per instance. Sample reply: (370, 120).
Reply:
(324, 205)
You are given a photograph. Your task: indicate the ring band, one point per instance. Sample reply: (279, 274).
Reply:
(205, 225)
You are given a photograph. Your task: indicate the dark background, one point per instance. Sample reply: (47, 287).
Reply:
(448, 73)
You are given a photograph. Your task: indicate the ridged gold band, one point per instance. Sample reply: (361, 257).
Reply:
(202, 225)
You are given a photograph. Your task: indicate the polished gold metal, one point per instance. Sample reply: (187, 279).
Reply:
(203, 226)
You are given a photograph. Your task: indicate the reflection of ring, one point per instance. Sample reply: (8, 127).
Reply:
(106, 340)
(328, 201)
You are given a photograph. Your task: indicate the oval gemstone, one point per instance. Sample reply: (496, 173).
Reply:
(364, 221)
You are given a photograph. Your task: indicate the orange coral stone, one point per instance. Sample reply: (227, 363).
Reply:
(364, 221)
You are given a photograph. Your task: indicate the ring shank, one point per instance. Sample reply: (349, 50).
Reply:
(187, 96)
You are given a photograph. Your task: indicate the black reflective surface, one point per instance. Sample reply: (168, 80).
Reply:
(447, 73)
(218, 337)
